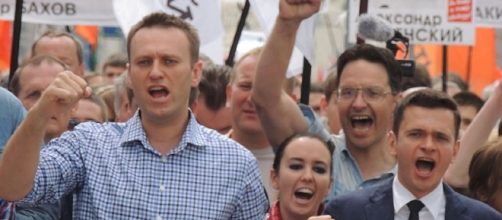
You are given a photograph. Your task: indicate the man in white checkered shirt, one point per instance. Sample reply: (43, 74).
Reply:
(161, 164)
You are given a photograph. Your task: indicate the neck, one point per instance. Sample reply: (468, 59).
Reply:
(288, 215)
(252, 141)
(373, 160)
(165, 135)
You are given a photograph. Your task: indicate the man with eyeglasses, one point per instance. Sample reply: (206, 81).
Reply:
(368, 84)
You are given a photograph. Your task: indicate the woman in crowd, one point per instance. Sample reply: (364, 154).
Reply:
(485, 172)
(302, 174)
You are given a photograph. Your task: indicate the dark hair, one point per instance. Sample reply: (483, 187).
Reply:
(213, 85)
(466, 98)
(462, 84)
(37, 60)
(454, 78)
(161, 19)
(330, 85)
(426, 98)
(375, 55)
(420, 78)
(316, 88)
(485, 172)
(279, 151)
(194, 93)
(500, 129)
(58, 34)
(115, 60)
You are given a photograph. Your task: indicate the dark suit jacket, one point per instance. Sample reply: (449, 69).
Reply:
(376, 203)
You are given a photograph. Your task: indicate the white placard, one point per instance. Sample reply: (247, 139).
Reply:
(445, 22)
(62, 12)
(488, 13)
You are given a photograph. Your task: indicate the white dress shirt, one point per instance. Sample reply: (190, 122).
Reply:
(435, 202)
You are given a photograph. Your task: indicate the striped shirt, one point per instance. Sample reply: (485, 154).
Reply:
(117, 174)
(7, 210)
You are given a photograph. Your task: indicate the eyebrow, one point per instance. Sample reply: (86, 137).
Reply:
(302, 160)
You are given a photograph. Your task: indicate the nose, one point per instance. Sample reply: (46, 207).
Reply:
(155, 72)
(359, 102)
(307, 175)
(428, 144)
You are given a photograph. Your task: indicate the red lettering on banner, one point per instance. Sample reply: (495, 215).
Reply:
(460, 11)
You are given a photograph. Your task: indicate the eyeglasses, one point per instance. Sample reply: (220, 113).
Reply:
(370, 94)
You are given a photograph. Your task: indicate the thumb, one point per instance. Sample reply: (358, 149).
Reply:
(87, 91)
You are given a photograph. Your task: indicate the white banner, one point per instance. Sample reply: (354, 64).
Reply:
(62, 12)
(442, 22)
(266, 11)
(488, 13)
(204, 15)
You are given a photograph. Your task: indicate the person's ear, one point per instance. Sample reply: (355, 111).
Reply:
(392, 140)
(197, 73)
(274, 178)
(229, 95)
(323, 105)
(456, 146)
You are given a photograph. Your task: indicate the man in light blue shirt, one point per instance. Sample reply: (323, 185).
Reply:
(161, 164)
(12, 114)
(368, 84)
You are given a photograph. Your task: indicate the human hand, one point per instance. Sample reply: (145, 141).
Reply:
(321, 217)
(297, 10)
(62, 95)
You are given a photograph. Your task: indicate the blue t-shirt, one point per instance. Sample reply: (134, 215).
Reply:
(12, 114)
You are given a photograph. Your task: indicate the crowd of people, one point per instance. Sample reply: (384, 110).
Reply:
(164, 133)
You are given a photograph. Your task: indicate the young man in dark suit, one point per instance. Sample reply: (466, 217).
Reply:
(424, 139)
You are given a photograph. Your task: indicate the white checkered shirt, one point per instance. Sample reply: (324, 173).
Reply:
(116, 174)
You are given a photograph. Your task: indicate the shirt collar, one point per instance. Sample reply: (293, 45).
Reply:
(134, 131)
(434, 201)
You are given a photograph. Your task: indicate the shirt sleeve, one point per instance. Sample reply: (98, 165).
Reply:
(315, 126)
(42, 212)
(61, 167)
(253, 203)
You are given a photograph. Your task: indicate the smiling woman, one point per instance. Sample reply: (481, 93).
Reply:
(302, 175)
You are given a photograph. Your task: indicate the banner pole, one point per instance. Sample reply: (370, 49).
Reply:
(237, 36)
(306, 73)
(16, 36)
(445, 68)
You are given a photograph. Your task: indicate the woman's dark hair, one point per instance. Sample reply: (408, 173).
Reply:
(485, 172)
(279, 151)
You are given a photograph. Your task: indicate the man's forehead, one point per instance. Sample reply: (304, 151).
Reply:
(45, 68)
(427, 115)
(148, 40)
(50, 42)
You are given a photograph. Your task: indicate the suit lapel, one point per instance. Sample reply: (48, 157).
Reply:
(381, 205)
(454, 209)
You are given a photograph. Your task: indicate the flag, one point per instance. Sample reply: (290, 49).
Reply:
(89, 33)
(5, 44)
(267, 10)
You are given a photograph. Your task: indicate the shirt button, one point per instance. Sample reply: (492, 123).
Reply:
(163, 159)
(158, 217)
(162, 188)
